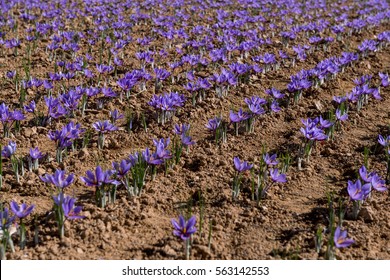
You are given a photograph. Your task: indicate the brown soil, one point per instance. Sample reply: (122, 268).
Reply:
(283, 226)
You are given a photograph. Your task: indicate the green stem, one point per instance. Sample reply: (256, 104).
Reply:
(187, 249)
(22, 235)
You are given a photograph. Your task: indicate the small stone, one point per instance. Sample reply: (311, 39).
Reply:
(46, 237)
(223, 163)
(218, 228)
(100, 226)
(29, 183)
(203, 251)
(80, 251)
(40, 249)
(246, 213)
(367, 214)
(87, 214)
(114, 144)
(41, 171)
(169, 250)
(66, 242)
(328, 152)
(54, 250)
(229, 215)
(83, 153)
(144, 216)
(29, 131)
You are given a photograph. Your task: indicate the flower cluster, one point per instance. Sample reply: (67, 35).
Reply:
(167, 104)
(65, 137)
(8, 118)
(360, 191)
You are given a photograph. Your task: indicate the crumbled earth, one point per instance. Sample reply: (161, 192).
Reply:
(282, 226)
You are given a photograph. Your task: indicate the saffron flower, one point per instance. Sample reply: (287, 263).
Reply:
(184, 229)
(104, 126)
(5, 221)
(186, 140)
(276, 177)
(65, 210)
(67, 205)
(35, 153)
(9, 150)
(214, 123)
(270, 160)
(21, 211)
(357, 191)
(59, 179)
(340, 238)
(378, 184)
(181, 129)
(241, 166)
(240, 116)
(99, 177)
(103, 183)
(385, 142)
(341, 116)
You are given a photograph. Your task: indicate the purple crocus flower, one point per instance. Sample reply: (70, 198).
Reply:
(66, 135)
(122, 168)
(311, 132)
(161, 74)
(275, 93)
(339, 99)
(384, 142)
(378, 184)
(324, 123)
(67, 204)
(241, 166)
(99, 177)
(186, 140)
(8, 117)
(214, 123)
(385, 79)
(181, 129)
(341, 117)
(59, 179)
(240, 116)
(357, 191)
(365, 175)
(340, 238)
(11, 74)
(270, 160)
(35, 153)
(88, 73)
(275, 106)
(115, 115)
(47, 84)
(21, 211)
(30, 108)
(184, 229)
(104, 126)
(9, 150)
(255, 105)
(161, 153)
(276, 177)
(109, 92)
(5, 220)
